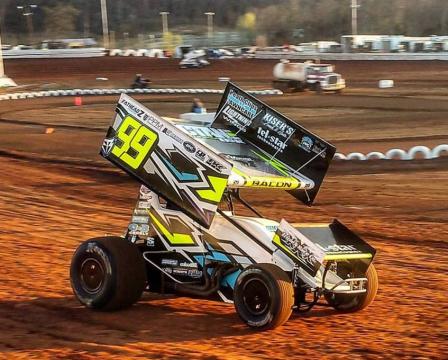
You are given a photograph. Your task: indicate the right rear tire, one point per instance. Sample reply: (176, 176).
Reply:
(107, 273)
(264, 296)
(352, 303)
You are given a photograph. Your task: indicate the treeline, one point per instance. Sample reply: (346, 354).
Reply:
(278, 20)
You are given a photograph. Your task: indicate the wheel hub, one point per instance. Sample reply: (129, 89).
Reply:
(256, 297)
(92, 275)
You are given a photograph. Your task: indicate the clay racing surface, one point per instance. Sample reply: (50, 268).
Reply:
(56, 192)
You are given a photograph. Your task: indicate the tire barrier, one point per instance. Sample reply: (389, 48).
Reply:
(397, 154)
(423, 150)
(356, 156)
(438, 150)
(375, 155)
(77, 92)
(414, 153)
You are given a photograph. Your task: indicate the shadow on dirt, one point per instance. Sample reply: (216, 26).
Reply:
(49, 322)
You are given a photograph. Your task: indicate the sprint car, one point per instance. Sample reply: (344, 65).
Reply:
(193, 233)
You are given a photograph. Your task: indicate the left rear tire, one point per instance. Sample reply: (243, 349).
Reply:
(107, 273)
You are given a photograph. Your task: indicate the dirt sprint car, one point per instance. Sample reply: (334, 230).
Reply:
(192, 232)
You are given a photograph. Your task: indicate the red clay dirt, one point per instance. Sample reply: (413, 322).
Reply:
(56, 192)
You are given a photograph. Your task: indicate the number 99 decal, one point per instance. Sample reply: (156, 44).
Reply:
(134, 142)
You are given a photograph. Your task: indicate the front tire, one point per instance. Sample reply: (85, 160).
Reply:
(107, 273)
(352, 303)
(264, 296)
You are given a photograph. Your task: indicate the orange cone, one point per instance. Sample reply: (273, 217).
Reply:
(78, 101)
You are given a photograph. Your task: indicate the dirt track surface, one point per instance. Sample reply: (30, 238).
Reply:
(55, 192)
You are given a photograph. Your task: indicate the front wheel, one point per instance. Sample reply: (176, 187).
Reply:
(264, 296)
(352, 303)
(107, 273)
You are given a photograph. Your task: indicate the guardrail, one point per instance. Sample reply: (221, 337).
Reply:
(260, 54)
(54, 53)
(80, 92)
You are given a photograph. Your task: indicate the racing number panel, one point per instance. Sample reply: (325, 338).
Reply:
(165, 159)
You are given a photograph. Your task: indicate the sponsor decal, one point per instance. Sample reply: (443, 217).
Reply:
(274, 184)
(242, 104)
(144, 205)
(138, 229)
(183, 272)
(145, 193)
(277, 125)
(239, 110)
(107, 146)
(189, 147)
(273, 141)
(150, 241)
(271, 228)
(319, 148)
(299, 249)
(339, 248)
(298, 246)
(191, 265)
(245, 160)
(306, 143)
(236, 119)
(194, 273)
(170, 262)
(142, 114)
(200, 155)
(173, 135)
(140, 219)
(215, 165)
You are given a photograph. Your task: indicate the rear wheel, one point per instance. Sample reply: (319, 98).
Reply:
(352, 303)
(264, 296)
(107, 273)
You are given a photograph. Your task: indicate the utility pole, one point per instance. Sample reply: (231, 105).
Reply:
(209, 24)
(164, 21)
(105, 24)
(28, 12)
(355, 7)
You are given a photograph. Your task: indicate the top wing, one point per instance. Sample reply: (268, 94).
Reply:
(285, 144)
(166, 160)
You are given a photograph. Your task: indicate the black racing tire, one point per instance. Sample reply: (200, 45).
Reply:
(263, 296)
(107, 273)
(351, 303)
(318, 88)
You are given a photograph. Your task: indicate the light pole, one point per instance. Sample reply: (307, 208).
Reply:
(28, 12)
(164, 21)
(2, 66)
(4, 80)
(209, 23)
(105, 24)
(355, 7)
